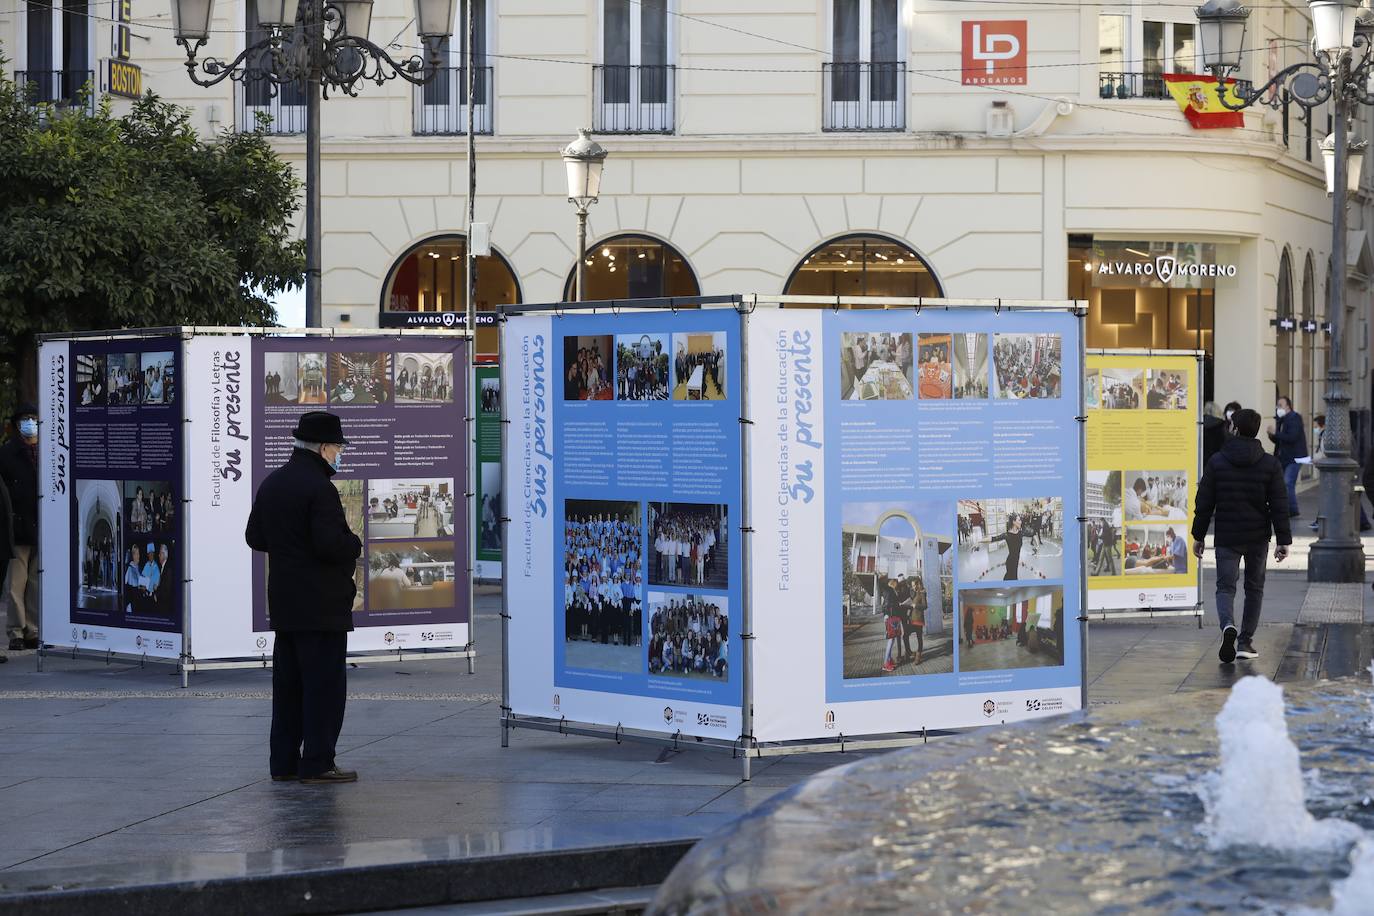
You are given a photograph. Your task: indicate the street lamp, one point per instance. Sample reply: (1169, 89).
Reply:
(584, 159)
(318, 45)
(1340, 73)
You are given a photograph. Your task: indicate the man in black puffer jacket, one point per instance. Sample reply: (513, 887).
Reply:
(1244, 487)
(298, 521)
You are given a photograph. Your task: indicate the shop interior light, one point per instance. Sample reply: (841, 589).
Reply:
(901, 260)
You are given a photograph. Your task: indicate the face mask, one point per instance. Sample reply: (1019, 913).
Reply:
(1280, 411)
(336, 461)
(1229, 414)
(28, 429)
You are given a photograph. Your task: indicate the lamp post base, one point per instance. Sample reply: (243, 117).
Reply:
(1331, 561)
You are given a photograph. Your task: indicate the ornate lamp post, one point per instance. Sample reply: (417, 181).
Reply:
(319, 45)
(1340, 73)
(584, 159)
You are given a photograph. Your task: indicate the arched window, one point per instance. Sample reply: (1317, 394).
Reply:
(431, 277)
(1309, 339)
(1283, 337)
(634, 267)
(863, 265)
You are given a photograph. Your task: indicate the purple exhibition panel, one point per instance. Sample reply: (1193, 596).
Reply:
(403, 477)
(124, 417)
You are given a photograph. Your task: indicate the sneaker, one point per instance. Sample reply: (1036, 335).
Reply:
(888, 666)
(330, 776)
(1227, 652)
(1246, 650)
(1313, 526)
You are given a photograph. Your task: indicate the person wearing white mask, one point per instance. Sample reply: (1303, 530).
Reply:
(19, 470)
(1290, 443)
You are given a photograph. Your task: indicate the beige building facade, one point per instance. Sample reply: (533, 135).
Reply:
(833, 147)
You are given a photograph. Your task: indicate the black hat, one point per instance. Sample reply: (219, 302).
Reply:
(319, 426)
(24, 409)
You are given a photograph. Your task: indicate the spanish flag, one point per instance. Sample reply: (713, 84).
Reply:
(1197, 96)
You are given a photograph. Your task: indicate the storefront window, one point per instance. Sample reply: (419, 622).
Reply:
(432, 278)
(1130, 309)
(634, 267)
(863, 265)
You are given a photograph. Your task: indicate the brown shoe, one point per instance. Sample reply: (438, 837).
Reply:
(330, 776)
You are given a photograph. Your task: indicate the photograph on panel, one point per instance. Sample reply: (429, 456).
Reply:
(90, 380)
(1092, 389)
(897, 589)
(311, 379)
(490, 395)
(587, 365)
(1103, 497)
(410, 507)
(145, 590)
(489, 511)
(1013, 627)
(1011, 539)
(971, 366)
(876, 366)
(100, 539)
(159, 377)
(125, 379)
(410, 575)
(1028, 365)
(1155, 496)
(280, 379)
(934, 372)
(641, 367)
(359, 378)
(1159, 550)
(689, 635)
(688, 545)
(424, 378)
(148, 506)
(1166, 389)
(602, 584)
(1122, 389)
(699, 365)
(351, 495)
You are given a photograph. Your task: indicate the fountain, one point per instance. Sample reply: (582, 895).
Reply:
(1120, 811)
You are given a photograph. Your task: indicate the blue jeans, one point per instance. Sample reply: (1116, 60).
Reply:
(1228, 570)
(1290, 478)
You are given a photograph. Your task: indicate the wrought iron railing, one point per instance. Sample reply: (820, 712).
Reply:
(285, 111)
(634, 99)
(864, 95)
(1123, 85)
(441, 105)
(63, 88)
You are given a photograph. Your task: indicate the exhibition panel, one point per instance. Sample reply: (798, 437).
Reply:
(623, 566)
(161, 439)
(1143, 466)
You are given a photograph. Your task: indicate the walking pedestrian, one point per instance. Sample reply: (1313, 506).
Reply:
(1244, 488)
(1290, 444)
(6, 537)
(19, 471)
(298, 521)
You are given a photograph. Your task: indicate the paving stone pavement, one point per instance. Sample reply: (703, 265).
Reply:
(105, 763)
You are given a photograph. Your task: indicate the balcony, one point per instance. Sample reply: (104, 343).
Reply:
(285, 111)
(1119, 85)
(60, 88)
(864, 95)
(634, 99)
(441, 105)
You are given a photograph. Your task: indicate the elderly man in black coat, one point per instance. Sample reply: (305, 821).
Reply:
(298, 521)
(1244, 486)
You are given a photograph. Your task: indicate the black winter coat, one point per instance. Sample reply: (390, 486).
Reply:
(298, 521)
(6, 526)
(21, 477)
(1213, 437)
(1289, 438)
(1243, 486)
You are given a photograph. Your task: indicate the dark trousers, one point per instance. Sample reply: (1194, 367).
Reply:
(309, 689)
(1228, 571)
(1290, 480)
